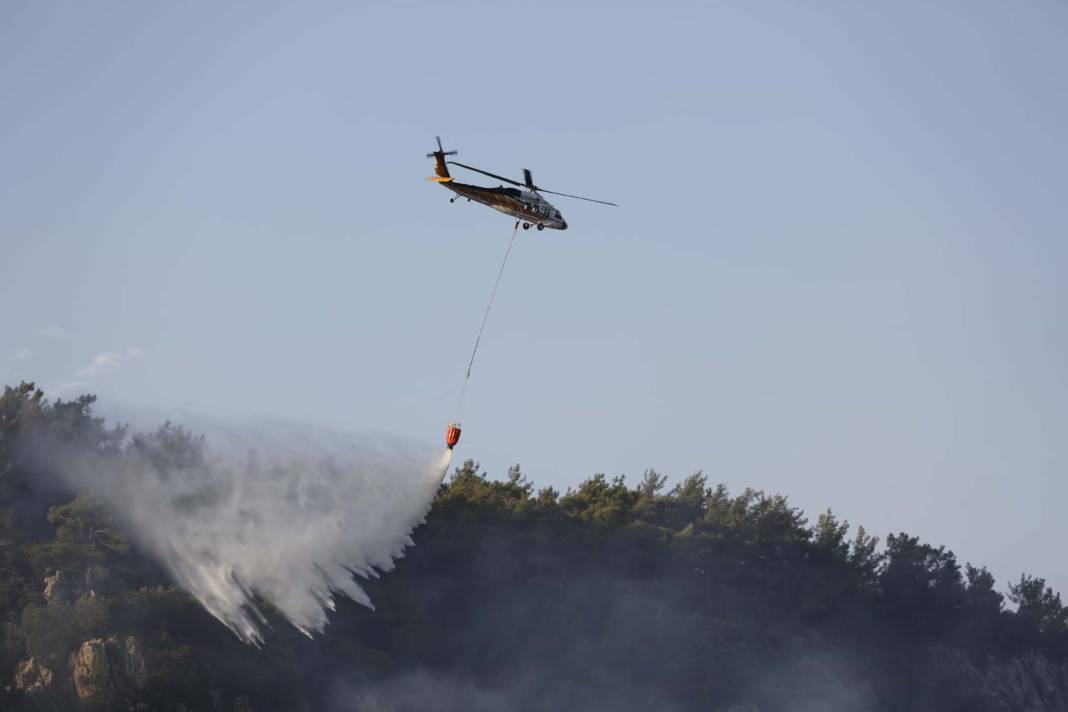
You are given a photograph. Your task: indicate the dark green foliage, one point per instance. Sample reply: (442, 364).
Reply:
(598, 500)
(921, 585)
(607, 597)
(1038, 604)
(863, 556)
(980, 597)
(49, 632)
(829, 536)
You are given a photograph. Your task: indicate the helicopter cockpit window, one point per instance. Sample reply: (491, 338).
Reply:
(557, 214)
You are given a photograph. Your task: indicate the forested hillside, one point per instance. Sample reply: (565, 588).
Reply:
(613, 596)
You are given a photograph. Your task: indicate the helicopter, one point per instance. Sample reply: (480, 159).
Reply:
(523, 202)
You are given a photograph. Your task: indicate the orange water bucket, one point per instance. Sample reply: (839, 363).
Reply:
(452, 435)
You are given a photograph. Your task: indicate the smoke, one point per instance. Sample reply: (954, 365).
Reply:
(419, 691)
(281, 512)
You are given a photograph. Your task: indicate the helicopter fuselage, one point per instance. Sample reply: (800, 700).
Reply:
(525, 205)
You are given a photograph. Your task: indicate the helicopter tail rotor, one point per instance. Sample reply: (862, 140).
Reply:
(441, 150)
(440, 169)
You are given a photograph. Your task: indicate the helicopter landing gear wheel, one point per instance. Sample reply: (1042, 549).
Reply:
(452, 200)
(541, 227)
(526, 226)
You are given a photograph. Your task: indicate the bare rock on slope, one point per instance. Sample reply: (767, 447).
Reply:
(102, 667)
(31, 676)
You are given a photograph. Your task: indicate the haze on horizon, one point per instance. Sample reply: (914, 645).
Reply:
(837, 271)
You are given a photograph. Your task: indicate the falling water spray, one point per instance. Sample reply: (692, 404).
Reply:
(290, 514)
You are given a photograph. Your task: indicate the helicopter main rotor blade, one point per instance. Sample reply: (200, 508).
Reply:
(487, 173)
(529, 184)
(568, 195)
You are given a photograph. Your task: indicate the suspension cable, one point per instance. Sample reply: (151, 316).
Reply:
(489, 305)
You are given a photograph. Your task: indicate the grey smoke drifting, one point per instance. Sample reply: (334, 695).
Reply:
(286, 513)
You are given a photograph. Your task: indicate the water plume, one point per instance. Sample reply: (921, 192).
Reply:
(289, 514)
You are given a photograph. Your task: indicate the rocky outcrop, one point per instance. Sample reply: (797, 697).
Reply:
(58, 587)
(91, 672)
(32, 677)
(103, 668)
(132, 664)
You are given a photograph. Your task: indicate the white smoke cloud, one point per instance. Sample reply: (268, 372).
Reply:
(68, 387)
(22, 355)
(52, 332)
(109, 361)
(290, 514)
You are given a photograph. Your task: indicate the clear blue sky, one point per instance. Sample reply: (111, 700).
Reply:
(838, 271)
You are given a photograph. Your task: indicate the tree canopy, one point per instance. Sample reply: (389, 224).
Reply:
(606, 596)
